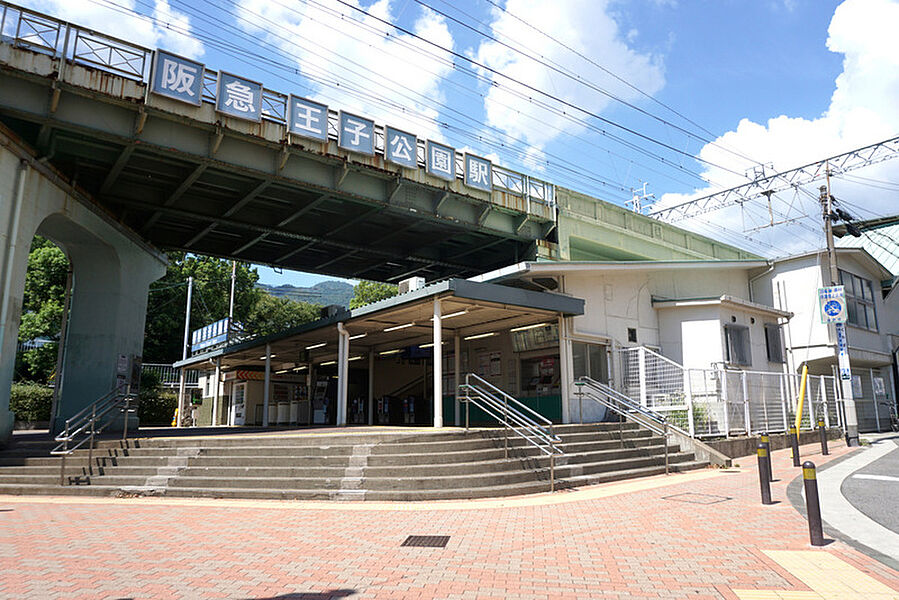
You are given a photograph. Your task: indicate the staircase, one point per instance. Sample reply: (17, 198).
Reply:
(350, 465)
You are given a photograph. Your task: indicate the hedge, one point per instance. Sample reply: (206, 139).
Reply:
(31, 401)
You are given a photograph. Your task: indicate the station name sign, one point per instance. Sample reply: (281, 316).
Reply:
(182, 79)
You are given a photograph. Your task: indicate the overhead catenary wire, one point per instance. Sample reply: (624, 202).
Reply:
(532, 88)
(582, 81)
(502, 147)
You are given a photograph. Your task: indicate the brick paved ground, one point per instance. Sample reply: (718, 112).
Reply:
(640, 543)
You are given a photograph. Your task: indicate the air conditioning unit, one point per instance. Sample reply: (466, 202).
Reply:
(330, 310)
(411, 284)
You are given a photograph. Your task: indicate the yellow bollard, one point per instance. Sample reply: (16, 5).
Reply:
(801, 396)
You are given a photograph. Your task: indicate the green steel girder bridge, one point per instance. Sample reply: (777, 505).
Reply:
(190, 178)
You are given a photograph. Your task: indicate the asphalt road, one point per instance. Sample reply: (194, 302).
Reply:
(874, 489)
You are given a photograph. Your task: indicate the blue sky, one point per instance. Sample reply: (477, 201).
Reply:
(737, 83)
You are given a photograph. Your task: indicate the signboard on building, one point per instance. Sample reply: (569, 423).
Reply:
(177, 78)
(239, 97)
(832, 301)
(356, 133)
(211, 335)
(308, 119)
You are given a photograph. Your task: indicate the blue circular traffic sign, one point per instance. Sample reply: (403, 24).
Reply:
(832, 308)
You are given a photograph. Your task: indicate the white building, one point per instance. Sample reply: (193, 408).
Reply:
(791, 284)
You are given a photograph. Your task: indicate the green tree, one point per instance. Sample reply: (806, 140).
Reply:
(164, 331)
(366, 292)
(271, 315)
(42, 307)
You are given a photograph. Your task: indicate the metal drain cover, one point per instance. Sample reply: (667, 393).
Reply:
(693, 498)
(427, 541)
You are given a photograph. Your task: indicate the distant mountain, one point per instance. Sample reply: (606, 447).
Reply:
(324, 292)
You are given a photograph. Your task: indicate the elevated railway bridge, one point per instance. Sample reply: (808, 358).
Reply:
(115, 151)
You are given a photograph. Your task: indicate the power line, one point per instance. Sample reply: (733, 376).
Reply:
(580, 80)
(541, 92)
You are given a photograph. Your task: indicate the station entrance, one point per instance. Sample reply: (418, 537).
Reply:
(395, 362)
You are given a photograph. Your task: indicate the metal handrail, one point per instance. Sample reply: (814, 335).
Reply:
(85, 423)
(625, 407)
(483, 382)
(502, 407)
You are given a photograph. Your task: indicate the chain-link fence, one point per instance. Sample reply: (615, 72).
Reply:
(711, 402)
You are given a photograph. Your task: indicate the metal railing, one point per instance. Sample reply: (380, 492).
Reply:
(625, 408)
(36, 31)
(84, 426)
(170, 376)
(515, 417)
(723, 401)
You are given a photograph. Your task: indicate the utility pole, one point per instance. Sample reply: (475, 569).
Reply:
(231, 301)
(184, 351)
(842, 345)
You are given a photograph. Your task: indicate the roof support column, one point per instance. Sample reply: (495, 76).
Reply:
(438, 365)
(268, 384)
(343, 355)
(371, 387)
(216, 394)
(565, 367)
(457, 367)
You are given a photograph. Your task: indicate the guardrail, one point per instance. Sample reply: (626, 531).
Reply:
(515, 417)
(36, 31)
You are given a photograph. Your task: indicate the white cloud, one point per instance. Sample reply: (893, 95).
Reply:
(339, 44)
(863, 110)
(587, 26)
(119, 23)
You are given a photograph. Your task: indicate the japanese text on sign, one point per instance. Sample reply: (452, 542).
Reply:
(177, 78)
(400, 147)
(239, 97)
(356, 133)
(441, 161)
(308, 119)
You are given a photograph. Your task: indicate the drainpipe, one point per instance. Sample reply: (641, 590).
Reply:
(15, 214)
(759, 276)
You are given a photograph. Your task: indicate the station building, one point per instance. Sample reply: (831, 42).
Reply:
(726, 337)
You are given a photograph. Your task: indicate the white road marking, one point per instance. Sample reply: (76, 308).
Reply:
(876, 477)
(842, 516)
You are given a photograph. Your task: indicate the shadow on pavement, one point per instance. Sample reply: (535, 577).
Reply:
(326, 595)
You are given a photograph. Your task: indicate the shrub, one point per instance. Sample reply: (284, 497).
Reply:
(156, 406)
(31, 401)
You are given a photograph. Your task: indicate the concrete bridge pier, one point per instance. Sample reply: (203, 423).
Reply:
(112, 271)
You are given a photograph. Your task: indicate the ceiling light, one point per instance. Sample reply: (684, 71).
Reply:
(328, 362)
(529, 327)
(360, 357)
(300, 368)
(454, 314)
(358, 335)
(394, 351)
(480, 335)
(269, 356)
(314, 346)
(403, 326)
(282, 371)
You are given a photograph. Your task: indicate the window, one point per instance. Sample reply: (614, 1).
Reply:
(631, 335)
(774, 343)
(859, 300)
(590, 360)
(736, 340)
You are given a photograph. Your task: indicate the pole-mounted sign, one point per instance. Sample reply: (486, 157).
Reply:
(832, 300)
